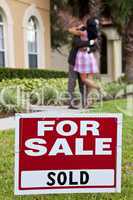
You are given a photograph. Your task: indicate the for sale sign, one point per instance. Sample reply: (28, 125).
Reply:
(67, 153)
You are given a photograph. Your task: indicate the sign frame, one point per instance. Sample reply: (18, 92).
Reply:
(70, 190)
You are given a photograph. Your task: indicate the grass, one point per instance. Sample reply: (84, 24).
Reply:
(7, 165)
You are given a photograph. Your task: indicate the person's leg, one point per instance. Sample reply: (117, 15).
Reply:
(88, 81)
(84, 91)
(71, 83)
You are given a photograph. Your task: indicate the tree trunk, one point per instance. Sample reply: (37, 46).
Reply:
(89, 7)
(95, 11)
(129, 51)
(95, 7)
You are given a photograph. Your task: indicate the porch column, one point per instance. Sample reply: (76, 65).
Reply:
(117, 60)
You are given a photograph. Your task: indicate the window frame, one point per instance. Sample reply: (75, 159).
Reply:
(36, 52)
(32, 10)
(4, 50)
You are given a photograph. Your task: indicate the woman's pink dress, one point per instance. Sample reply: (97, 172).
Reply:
(85, 62)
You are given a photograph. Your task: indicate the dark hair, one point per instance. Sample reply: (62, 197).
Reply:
(83, 28)
(92, 29)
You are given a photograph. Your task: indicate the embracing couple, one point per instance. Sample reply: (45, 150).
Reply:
(82, 61)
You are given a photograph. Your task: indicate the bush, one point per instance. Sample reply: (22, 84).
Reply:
(16, 94)
(8, 100)
(113, 88)
(44, 92)
(31, 84)
(8, 73)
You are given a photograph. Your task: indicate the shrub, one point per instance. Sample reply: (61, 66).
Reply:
(43, 92)
(8, 73)
(33, 91)
(30, 84)
(113, 88)
(8, 100)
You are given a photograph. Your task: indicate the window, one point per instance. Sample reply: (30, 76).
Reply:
(34, 38)
(2, 45)
(33, 42)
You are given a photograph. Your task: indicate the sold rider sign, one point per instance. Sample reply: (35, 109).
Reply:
(67, 153)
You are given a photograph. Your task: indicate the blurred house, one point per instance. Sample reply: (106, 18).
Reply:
(25, 33)
(25, 40)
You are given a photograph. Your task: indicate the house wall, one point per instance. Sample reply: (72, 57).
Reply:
(60, 60)
(18, 8)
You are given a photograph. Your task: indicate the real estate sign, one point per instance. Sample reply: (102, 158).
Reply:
(67, 153)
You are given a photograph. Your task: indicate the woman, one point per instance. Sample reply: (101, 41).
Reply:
(86, 64)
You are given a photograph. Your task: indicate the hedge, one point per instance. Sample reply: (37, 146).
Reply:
(8, 73)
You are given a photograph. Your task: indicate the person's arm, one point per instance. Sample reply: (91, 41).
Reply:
(78, 43)
(75, 31)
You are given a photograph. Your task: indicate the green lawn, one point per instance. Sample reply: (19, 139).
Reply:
(7, 165)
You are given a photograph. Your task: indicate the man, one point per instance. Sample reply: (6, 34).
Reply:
(73, 75)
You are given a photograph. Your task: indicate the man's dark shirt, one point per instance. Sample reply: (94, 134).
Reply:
(76, 44)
